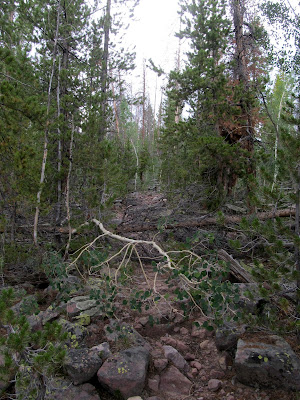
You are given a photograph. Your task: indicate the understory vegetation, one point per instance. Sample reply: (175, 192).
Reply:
(76, 141)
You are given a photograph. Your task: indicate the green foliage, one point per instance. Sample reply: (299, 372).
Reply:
(28, 354)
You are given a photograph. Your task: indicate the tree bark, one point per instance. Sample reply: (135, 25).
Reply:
(204, 221)
(68, 190)
(104, 73)
(45, 154)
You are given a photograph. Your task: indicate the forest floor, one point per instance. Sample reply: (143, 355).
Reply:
(172, 328)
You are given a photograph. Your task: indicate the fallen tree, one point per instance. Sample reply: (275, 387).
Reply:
(207, 220)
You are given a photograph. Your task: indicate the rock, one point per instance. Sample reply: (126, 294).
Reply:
(125, 335)
(27, 306)
(180, 346)
(174, 384)
(169, 341)
(190, 357)
(184, 331)
(63, 389)
(76, 333)
(160, 364)
(224, 362)
(176, 358)
(215, 374)
(201, 333)
(214, 385)
(125, 373)
(143, 321)
(83, 305)
(135, 398)
(153, 398)
(38, 321)
(103, 350)
(204, 345)
(153, 383)
(82, 364)
(270, 363)
(227, 336)
(197, 365)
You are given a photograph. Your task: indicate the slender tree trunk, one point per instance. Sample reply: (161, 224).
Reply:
(144, 103)
(107, 23)
(45, 154)
(59, 149)
(178, 108)
(277, 141)
(68, 189)
(137, 165)
(115, 110)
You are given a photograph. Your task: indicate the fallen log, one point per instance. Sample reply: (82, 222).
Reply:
(208, 220)
(236, 269)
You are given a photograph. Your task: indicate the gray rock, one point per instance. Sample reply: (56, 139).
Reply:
(124, 374)
(174, 384)
(38, 321)
(83, 305)
(176, 358)
(82, 364)
(269, 363)
(26, 306)
(228, 335)
(63, 389)
(214, 385)
(76, 332)
(103, 350)
(124, 334)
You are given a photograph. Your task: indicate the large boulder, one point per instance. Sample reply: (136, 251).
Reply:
(269, 362)
(174, 384)
(82, 364)
(124, 374)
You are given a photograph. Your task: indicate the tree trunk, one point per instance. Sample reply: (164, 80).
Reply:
(206, 221)
(107, 23)
(59, 150)
(45, 154)
(68, 190)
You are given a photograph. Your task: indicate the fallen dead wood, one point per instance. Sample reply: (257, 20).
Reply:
(205, 221)
(235, 268)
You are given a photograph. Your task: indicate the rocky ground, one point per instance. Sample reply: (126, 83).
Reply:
(155, 353)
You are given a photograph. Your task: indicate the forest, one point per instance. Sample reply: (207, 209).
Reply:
(149, 250)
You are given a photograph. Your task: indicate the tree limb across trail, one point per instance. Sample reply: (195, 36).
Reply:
(207, 220)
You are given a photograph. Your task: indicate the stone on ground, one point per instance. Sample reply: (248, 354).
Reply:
(176, 358)
(125, 373)
(174, 384)
(82, 364)
(270, 363)
(63, 389)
